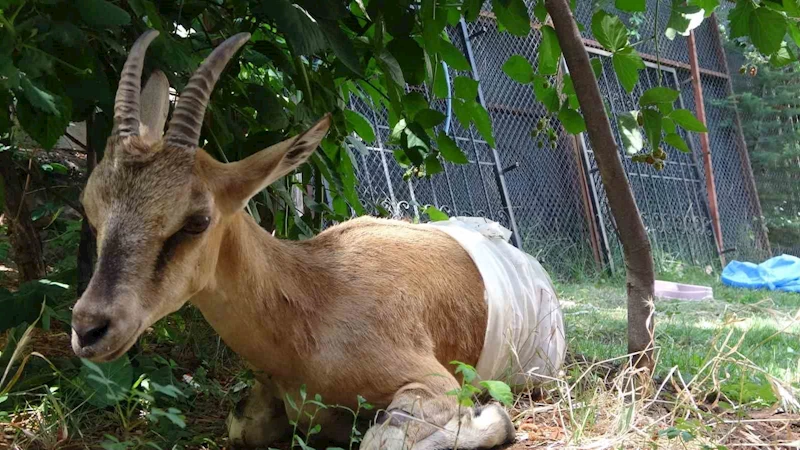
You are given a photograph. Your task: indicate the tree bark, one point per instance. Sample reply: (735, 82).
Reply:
(635, 243)
(25, 241)
(87, 247)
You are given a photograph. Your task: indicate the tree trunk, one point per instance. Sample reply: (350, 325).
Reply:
(87, 248)
(635, 243)
(25, 241)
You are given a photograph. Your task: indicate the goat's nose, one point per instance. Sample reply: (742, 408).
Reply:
(90, 331)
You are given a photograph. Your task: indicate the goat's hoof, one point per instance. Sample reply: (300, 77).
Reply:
(250, 427)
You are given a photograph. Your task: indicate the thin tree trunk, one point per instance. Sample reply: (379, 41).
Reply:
(25, 241)
(632, 234)
(87, 246)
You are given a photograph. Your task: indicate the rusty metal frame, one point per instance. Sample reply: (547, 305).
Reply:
(705, 146)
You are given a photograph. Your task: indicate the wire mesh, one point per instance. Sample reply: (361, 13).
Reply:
(544, 188)
(770, 128)
(742, 232)
(671, 201)
(554, 191)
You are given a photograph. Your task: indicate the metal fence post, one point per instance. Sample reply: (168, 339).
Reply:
(706, 148)
(501, 179)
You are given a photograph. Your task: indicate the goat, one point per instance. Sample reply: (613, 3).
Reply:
(370, 307)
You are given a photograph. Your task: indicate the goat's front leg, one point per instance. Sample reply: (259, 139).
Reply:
(423, 417)
(259, 419)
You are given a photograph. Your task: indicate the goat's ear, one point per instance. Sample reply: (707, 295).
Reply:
(243, 179)
(155, 106)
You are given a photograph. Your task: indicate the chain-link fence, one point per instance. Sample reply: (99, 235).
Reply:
(550, 194)
(770, 117)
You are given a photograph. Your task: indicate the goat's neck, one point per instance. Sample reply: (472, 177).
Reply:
(262, 296)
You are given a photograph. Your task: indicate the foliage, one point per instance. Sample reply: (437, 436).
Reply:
(498, 390)
(60, 61)
(766, 101)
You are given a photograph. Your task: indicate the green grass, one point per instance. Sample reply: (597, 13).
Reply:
(701, 339)
(689, 333)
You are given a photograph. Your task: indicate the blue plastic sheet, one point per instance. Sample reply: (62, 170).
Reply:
(781, 273)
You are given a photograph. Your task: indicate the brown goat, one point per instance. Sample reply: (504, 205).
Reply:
(370, 307)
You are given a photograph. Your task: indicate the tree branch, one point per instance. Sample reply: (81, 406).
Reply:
(632, 234)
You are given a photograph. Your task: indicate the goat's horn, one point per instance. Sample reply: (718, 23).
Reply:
(126, 103)
(187, 119)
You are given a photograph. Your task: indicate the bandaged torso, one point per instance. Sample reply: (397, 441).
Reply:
(524, 341)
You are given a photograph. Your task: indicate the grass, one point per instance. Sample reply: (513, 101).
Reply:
(728, 373)
(766, 322)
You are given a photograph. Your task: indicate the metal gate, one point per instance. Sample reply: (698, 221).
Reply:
(473, 189)
(549, 193)
(679, 226)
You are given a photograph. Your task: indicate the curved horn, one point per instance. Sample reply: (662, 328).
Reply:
(126, 103)
(187, 119)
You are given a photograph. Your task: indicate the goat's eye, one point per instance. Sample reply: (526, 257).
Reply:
(196, 224)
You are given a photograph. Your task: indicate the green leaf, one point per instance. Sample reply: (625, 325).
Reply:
(35, 63)
(668, 124)
(302, 33)
(665, 108)
(471, 9)
(571, 120)
(632, 139)
(783, 57)
(513, 15)
(707, 5)
(269, 107)
(652, 126)
(172, 414)
(627, 64)
(358, 123)
(518, 69)
(767, 29)
(739, 18)
(433, 22)
(44, 127)
(683, 19)
(465, 88)
(449, 149)
(433, 165)
(56, 168)
(656, 95)
(609, 31)
(453, 56)
(597, 67)
(540, 11)
(9, 74)
(463, 111)
(102, 14)
(342, 45)
(435, 214)
(688, 121)
(391, 67)
(794, 32)
(416, 138)
(792, 8)
(467, 372)
(546, 93)
(413, 102)
(483, 122)
(440, 87)
(411, 58)
(429, 118)
(631, 5)
(676, 141)
(106, 383)
(499, 391)
(39, 98)
(549, 51)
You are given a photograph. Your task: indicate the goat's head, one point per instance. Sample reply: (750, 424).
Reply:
(158, 204)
